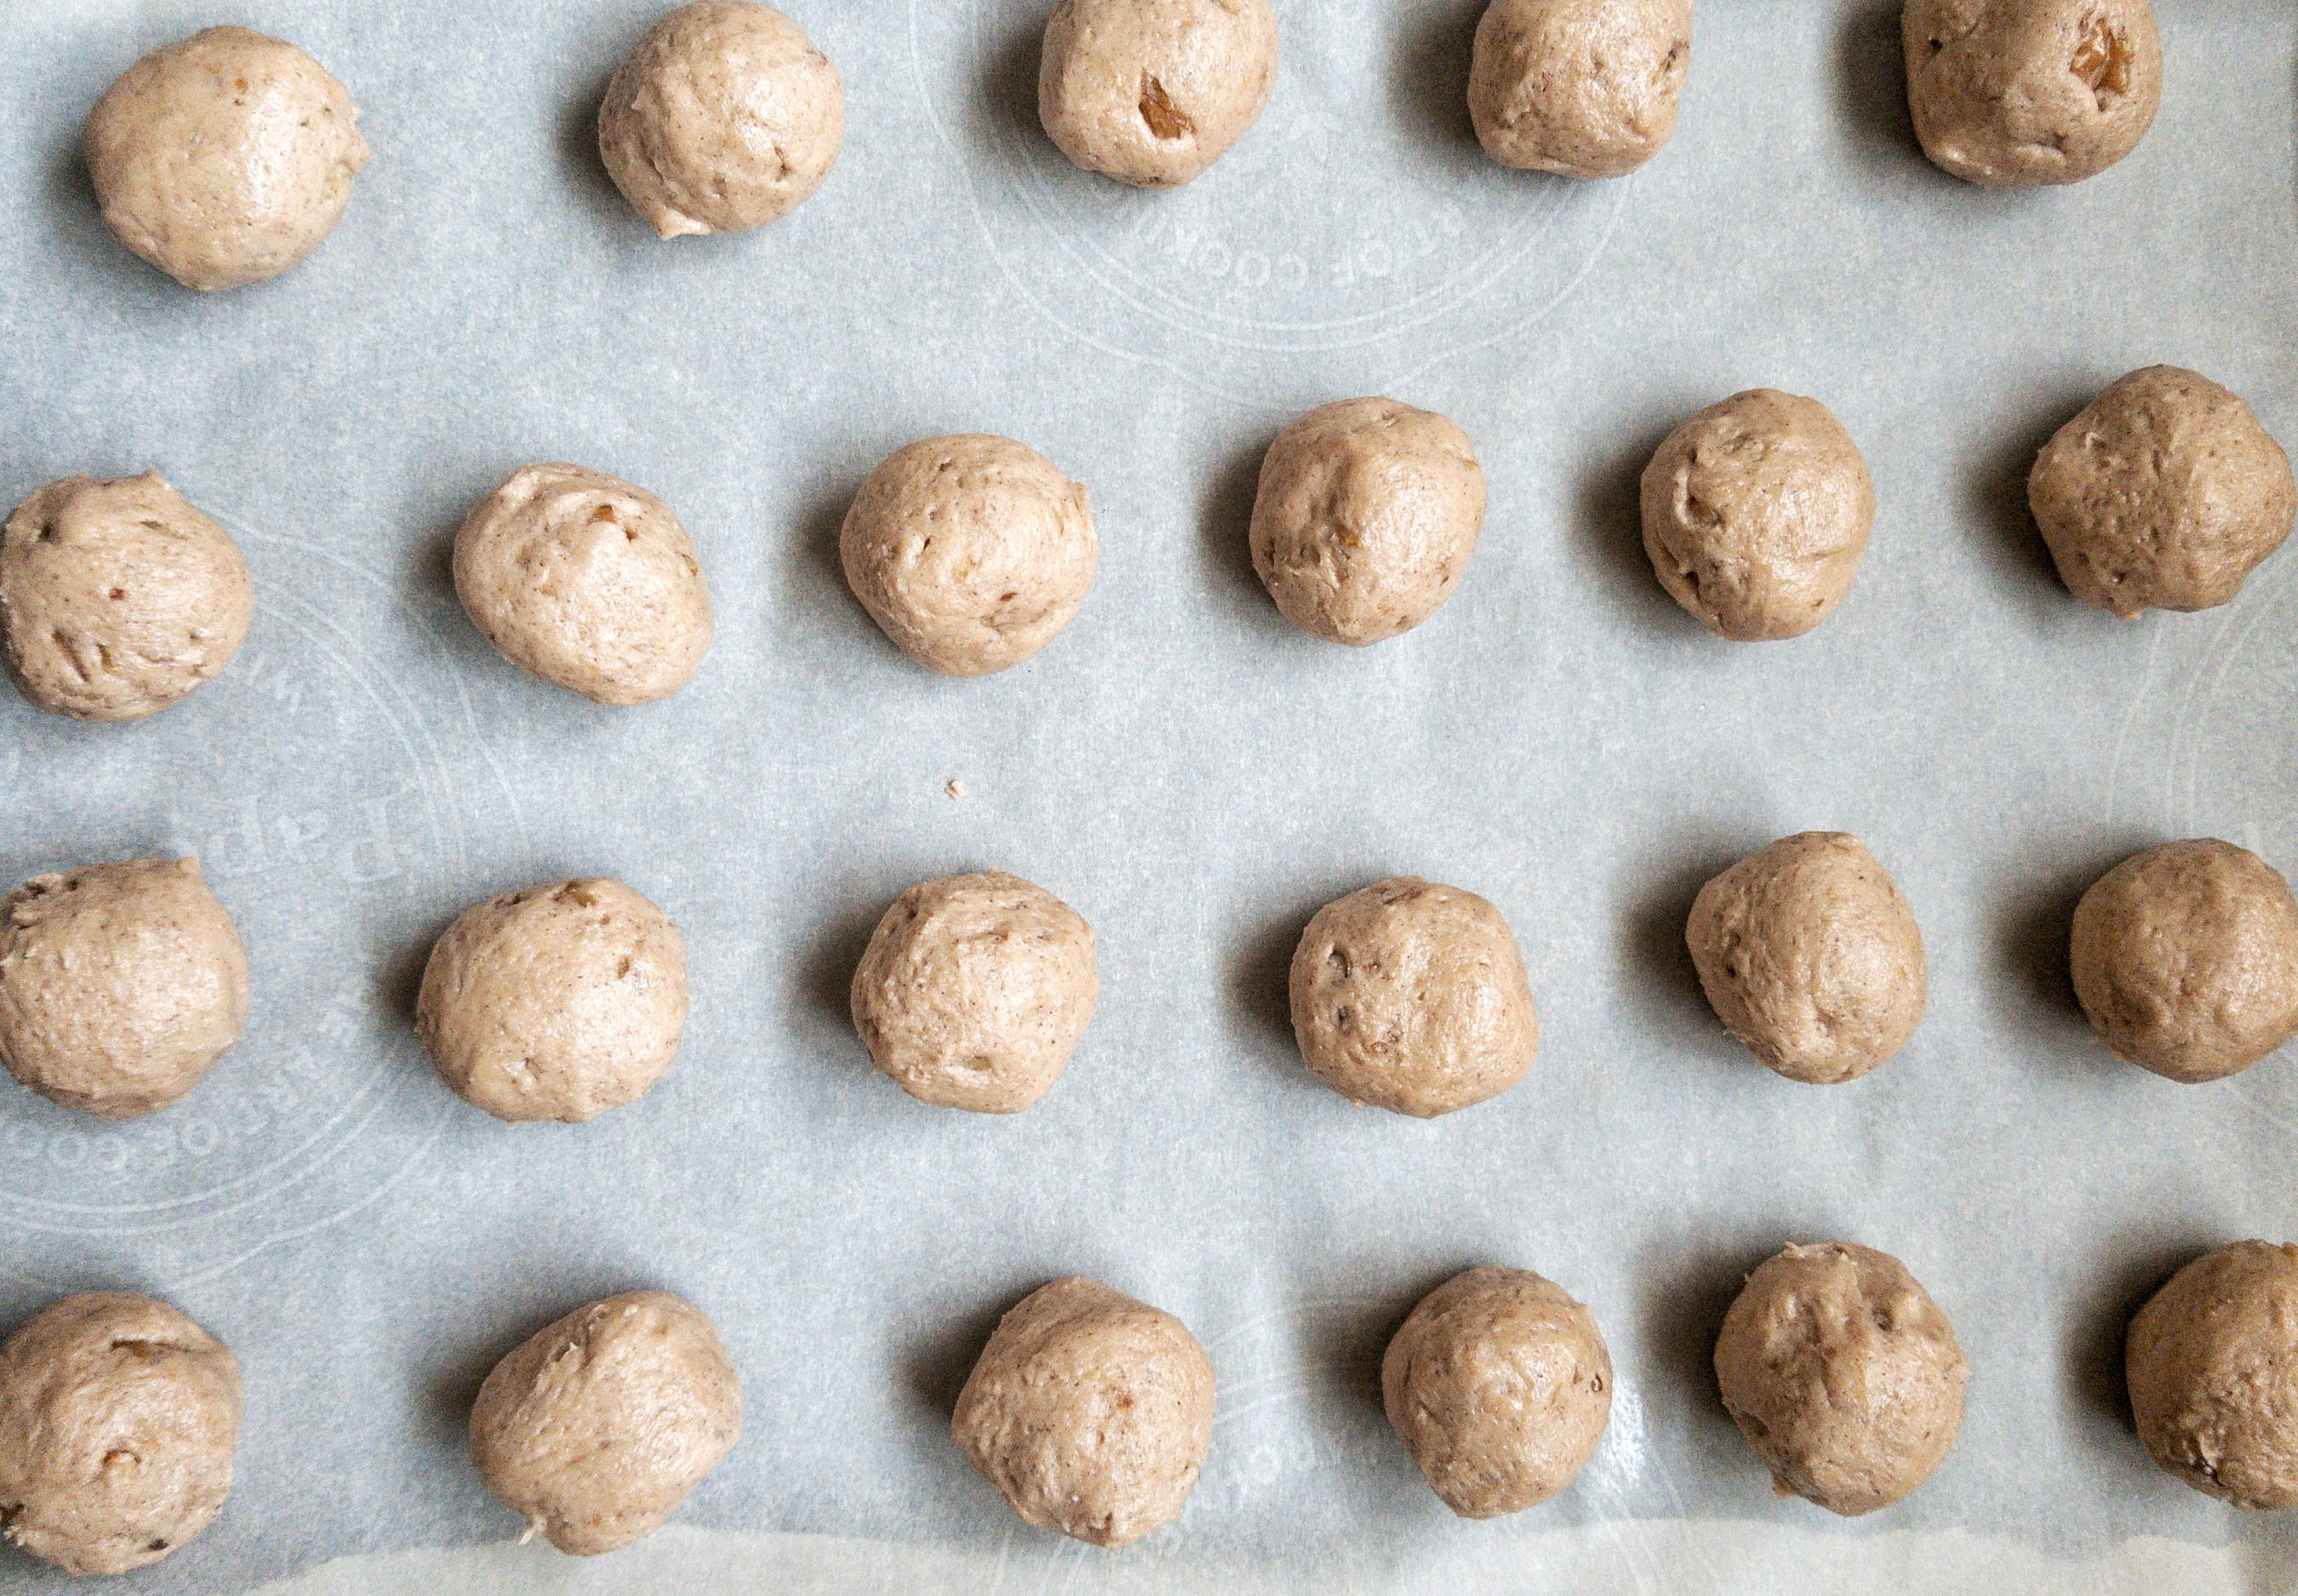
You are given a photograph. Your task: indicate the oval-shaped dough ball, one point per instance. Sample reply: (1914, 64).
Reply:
(1585, 88)
(1499, 1385)
(119, 1420)
(2010, 93)
(224, 159)
(970, 552)
(1367, 515)
(2213, 1365)
(2163, 492)
(116, 598)
(1411, 997)
(1843, 1374)
(597, 1426)
(722, 118)
(588, 581)
(1090, 1412)
(1756, 514)
(1153, 91)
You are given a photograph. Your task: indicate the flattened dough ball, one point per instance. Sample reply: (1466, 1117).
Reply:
(2011, 93)
(1584, 88)
(1153, 91)
(2213, 1365)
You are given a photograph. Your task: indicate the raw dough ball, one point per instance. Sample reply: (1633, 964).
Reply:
(1499, 1386)
(2010, 93)
(974, 990)
(2212, 1363)
(1367, 515)
(1756, 514)
(116, 598)
(587, 582)
(1090, 1412)
(597, 1426)
(1810, 956)
(1153, 92)
(224, 159)
(1587, 88)
(1412, 997)
(121, 985)
(970, 552)
(119, 1417)
(2186, 959)
(724, 117)
(2163, 492)
(1843, 1374)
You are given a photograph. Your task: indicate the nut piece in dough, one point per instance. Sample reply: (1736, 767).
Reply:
(1585, 88)
(1756, 516)
(974, 990)
(1843, 1374)
(2011, 93)
(116, 598)
(1499, 1386)
(2162, 493)
(224, 159)
(1411, 997)
(2186, 959)
(1090, 1412)
(2213, 1364)
(118, 1419)
(1367, 514)
(587, 582)
(597, 1426)
(1153, 92)
(722, 118)
(970, 552)
(1808, 954)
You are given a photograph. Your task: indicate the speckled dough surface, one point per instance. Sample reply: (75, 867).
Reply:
(1584, 88)
(2212, 1361)
(2015, 93)
(1153, 92)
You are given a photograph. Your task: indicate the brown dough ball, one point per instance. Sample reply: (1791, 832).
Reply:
(1843, 1374)
(2213, 1364)
(2163, 492)
(1499, 1386)
(1367, 515)
(1090, 1412)
(1586, 88)
(2010, 93)
(118, 1419)
(1153, 92)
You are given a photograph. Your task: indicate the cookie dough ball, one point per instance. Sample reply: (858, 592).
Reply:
(1090, 1412)
(2212, 1363)
(225, 159)
(724, 117)
(1843, 1374)
(1367, 515)
(1585, 88)
(1412, 997)
(970, 552)
(597, 1426)
(1153, 91)
(1500, 1387)
(587, 582)
(1756, 516)
(2010, 93)
(2163, 492)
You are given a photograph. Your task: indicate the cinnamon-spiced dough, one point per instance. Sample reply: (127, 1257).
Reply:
(1153, 92)
(2015, 92)
(2213, 1366)
(1584, 88)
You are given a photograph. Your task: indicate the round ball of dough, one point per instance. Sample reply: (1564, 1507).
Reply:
(1499, 1386)
(974, 990)
(2010, 93)
(1412, 997)
(121, 985)
(1756, 516)
(1367, 514)
(557, 1003)
(724, 117)
(224, 159)
(597, 1426)
(2186, 959)
(2213, 1364)
(1586, 88)
(587, 582)
(2163, 492)
(1810, 956)
(1843, 1374)
(118, 1418)
(116, 598)
(970, 552)
(1090, 1412)
(1153, 91)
